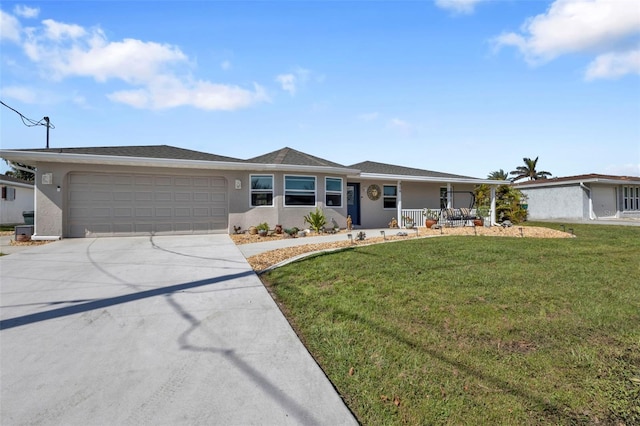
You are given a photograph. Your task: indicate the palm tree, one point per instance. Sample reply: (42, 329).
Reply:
(528, 171)
(498, 175)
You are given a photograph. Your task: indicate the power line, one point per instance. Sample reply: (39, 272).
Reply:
(30, 122)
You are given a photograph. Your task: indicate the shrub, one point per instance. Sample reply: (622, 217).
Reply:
(316, 219)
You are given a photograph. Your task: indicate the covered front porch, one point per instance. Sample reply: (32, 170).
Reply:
(456, 208)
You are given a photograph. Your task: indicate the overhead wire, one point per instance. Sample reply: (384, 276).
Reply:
(30, 122)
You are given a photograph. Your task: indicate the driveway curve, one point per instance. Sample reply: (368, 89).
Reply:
(151, 330)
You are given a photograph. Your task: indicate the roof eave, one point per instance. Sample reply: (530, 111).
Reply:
(538, 184)
(392, 177)
(30, 157)
(18, 184)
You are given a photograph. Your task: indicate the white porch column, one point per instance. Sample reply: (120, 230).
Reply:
(449, 195)
(493, 205)
(399, 202)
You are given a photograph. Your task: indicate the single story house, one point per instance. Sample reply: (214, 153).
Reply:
(17, 197)
(142, 190)
(583, 197)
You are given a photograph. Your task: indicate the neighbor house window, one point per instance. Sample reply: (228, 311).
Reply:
(299, 190)
(333, 192)
(390, 196)
(8, 193)
(261, 190)
(631, 197)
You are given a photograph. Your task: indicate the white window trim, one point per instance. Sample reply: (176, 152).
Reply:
(630, 198)
(341, 192)
(390, 196)
(251, 191)
(315, 191)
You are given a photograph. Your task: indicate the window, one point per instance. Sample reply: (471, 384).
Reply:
(390, 196)
(8, 193)
(261, 190)
(299, 190)
(631, 197)
(333, 192)
(443, 198)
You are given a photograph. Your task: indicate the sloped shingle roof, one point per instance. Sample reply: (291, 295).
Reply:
(390, 169)
(147, 151)
(292, 157)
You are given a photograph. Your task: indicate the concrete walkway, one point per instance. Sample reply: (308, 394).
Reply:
(163, 331)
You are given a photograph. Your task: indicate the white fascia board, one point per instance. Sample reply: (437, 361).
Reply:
(18, 184)
(115, 160)
(407, 178)
(578, 182)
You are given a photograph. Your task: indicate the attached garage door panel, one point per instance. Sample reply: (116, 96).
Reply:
(131, 204)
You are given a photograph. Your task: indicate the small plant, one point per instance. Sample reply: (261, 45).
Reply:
(264, 226)
(316, 220)
(482, 211)
(361, 236)
(431, 214)
(291, 231)
(407, 220)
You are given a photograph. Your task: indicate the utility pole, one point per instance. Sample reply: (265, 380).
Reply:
(46, 119)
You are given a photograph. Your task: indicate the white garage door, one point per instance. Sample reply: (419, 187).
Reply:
(136, 204)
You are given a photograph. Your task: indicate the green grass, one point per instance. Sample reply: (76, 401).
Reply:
(476, 330)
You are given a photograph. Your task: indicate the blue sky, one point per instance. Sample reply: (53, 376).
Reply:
(458, 86)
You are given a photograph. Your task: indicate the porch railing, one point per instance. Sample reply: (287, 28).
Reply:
(413, 214)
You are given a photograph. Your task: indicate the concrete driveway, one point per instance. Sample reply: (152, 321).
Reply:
(139, 330)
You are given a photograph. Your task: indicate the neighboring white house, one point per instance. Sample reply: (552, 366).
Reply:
(17, 197)
(142, 190)
(583, 197)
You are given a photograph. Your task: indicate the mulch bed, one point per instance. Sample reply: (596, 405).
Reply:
(268, 259)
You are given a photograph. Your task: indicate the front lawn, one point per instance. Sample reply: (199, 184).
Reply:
(476, 330)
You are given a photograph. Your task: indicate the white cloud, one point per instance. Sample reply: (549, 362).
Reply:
(458, 6)
(170, 92)
(614, 65)
(369, 116)
(23, 94)
(26, 11)
(10, 27)
(57, 30)
(63, 50)
(291, 82)
(576, 26)
(402, 126)
(287, 82)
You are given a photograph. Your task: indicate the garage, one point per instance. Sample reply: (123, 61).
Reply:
(104, 204)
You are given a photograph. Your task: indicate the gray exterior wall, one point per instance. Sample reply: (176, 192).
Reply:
(51, 204)
(559, 202)
(571, 201)
(244, 215)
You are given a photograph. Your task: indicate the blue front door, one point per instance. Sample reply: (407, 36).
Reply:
(353, 202)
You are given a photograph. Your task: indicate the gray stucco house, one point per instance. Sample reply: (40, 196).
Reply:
(142, 190)
(583, 197)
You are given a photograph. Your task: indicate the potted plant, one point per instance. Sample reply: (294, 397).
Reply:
(482, 213)
(431, 217)
(263, 229)
(408, 222)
